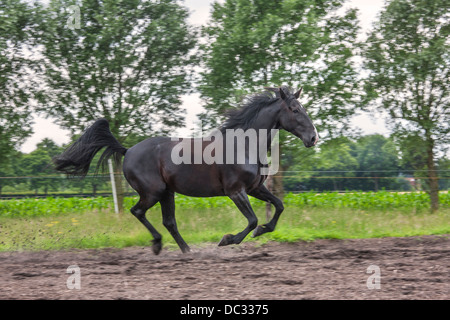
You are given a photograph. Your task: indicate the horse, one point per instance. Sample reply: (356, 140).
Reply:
(150, 169)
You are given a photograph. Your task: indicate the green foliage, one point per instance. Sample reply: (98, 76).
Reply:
(369, 162)
(377, 154)
(37, 163)
(444, 174)
(412, 149)
(408, 58)
(52, 206)
(16, 20)
(382, 200)
(128, 62)
(252, 44)
(34, 164)
(91, 223)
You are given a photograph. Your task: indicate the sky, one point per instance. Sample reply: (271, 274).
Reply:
(199, 14)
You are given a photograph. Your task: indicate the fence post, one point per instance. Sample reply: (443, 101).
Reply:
(268, 204)
(113, 185)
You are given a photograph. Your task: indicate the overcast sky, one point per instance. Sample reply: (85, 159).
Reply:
(200, 11)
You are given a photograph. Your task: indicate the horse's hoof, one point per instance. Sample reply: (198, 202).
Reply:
(157, 246)
(186, 249)
(226, 240)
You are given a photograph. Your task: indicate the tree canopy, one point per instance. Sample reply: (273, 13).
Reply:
(16, 81)
(128, 62)
(253, 44)
(408, 57)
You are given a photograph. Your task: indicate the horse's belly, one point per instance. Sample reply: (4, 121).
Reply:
(195, 181)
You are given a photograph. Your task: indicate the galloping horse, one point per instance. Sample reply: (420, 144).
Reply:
(149, 167)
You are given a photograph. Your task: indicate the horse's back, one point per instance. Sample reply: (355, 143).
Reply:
(143, 153)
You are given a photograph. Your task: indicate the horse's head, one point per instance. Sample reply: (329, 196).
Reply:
(293, 118)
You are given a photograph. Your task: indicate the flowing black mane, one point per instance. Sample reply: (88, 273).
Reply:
(243, 117)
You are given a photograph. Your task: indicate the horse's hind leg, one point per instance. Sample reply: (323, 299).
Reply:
(168, 213)
(139, 211)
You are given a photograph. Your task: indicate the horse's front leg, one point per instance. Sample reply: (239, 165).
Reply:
(241, 200)
(262, 193)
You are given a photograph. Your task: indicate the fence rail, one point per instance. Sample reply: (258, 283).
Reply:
(57, 185)
(61, 195)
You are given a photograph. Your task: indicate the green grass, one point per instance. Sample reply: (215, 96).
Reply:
(50, 206)
(90, 223)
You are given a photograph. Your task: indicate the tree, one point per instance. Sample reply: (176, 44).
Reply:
(38, 163)
(128, 62)
(327, 169)
(377, 157)
(407, 55)
(413, 156)
(252, 44)
(7, 169)
(50, 147)
(369, 162)
(16, 84)
(336, 158)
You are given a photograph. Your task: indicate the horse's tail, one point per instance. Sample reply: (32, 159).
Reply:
(76, 159)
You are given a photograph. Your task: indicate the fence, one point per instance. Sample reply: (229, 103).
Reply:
(293, 181)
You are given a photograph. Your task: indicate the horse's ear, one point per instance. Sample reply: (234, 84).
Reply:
(271, 89)
(298, 93)
(282, 94)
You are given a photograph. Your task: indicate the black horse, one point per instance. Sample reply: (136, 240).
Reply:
(150, 169)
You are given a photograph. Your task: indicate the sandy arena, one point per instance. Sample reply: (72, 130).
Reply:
(410, 268)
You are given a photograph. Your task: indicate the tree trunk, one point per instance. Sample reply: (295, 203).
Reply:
(433, 183)
(118, 179)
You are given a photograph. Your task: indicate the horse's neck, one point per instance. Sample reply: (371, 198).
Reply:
(267, 119)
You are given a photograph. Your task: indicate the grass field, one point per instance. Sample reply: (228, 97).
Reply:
(58, 223)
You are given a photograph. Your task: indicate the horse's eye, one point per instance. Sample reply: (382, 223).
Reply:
(295, 111)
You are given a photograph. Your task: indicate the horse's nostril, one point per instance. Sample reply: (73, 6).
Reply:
(313, 139)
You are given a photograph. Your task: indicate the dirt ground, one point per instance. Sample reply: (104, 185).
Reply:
(408, 268)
